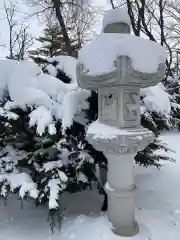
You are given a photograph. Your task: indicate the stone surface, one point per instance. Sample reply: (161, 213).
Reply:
(117, 28)
(119, 107)
(130, 141)
(124, 75)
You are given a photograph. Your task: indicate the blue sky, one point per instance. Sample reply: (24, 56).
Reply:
(35, 25)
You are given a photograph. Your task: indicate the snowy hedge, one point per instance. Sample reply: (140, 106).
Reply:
(44, 115)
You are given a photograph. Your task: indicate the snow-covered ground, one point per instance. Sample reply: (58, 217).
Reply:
(157, 201)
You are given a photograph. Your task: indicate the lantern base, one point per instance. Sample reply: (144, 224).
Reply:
(127, 231)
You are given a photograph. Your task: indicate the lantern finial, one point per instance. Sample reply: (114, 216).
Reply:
(116, 21)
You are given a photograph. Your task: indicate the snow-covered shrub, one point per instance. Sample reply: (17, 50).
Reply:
(173, 88)
(44, 114)
(35, 112)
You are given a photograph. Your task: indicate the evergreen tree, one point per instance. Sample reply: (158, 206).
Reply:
(53, 43)
(173, 88)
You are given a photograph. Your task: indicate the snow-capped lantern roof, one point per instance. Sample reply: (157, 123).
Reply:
(115, 52)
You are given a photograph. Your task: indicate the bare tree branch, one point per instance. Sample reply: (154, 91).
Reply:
(75, 18)
(19, 39)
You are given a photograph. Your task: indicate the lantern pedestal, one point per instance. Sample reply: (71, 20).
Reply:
(120, 189)
(120, 151)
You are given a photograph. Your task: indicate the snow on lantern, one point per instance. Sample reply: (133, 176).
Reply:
(117, 64)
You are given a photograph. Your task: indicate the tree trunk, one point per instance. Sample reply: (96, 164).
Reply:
(57, 6)
(10, 43)
(112, 4)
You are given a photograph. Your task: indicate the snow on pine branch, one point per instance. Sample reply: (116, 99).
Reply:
(21, 181)
(10, 177)
(42, 118)
(156, 99)
(8, 114)
(74, 102)
(66, 64)
(55, 187)
(9, 157)
(52, 165)
(50, 98)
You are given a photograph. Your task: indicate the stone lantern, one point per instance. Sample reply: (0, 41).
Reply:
(114, 65)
